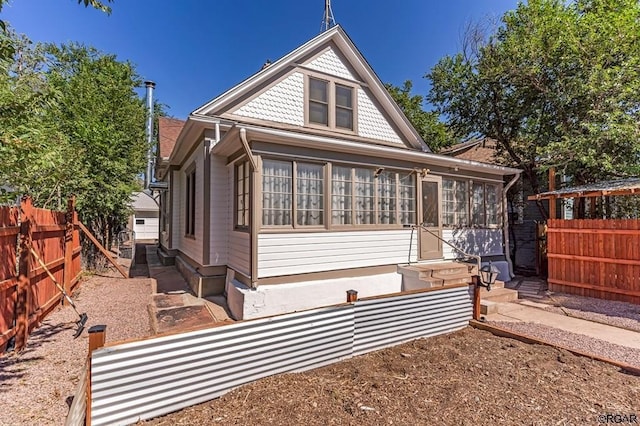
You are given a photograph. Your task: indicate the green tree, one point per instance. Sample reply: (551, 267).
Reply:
(431, 129)
(34, 151)
(557, 84)
(99, 111)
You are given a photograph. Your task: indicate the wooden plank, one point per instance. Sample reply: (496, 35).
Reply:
(9, 231)
(593, 259)
(8, 283)
(102, 249)
(7, 335)
(502, 332)
(24, 280)
(40, 229)
(624, 292)
(593, 231)
(50, 266)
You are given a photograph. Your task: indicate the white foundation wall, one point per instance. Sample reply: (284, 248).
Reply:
(300, 253)
(269, 300)
(219, 205)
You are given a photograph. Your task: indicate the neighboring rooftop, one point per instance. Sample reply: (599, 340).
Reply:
(142, 201)
(168, 131)
(481, 149)
(628, 186)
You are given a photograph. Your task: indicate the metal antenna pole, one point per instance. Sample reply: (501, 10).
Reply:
(328, 20)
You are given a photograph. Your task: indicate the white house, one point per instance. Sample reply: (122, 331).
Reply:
(304, 181)
(145, 221)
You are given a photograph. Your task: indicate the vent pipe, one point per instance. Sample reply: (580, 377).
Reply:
(148, 176)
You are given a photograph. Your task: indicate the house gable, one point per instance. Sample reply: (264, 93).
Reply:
(279, 95)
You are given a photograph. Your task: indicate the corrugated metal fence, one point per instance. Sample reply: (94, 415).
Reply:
(149, 378)
(388, 321)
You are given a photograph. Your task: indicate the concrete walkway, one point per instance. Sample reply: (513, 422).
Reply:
(173, 306)
(528, 311)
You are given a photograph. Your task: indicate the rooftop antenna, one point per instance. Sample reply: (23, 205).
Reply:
(328, 20)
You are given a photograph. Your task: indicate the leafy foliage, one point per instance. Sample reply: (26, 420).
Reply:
(72, 124)
(431, 129)
(558, 84)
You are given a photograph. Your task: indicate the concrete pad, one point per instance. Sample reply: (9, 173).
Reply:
(522, 312)
(163, 301)
(175, 319)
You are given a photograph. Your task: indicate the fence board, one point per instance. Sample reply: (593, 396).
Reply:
(47, 231)
(595, 258)
(9, 231)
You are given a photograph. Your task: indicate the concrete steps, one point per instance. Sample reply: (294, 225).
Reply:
(427, 275)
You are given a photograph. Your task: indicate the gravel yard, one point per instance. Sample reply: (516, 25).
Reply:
(37, 385)
(618, 314)
(466, 378)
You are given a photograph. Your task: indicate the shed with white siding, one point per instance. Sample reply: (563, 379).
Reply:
(307, 180)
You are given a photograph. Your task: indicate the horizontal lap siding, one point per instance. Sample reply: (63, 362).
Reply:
(220, 198)
(240, 252)
(297, 253)
(389, 321)
(153, 377)
(192, 247)
(481, 242)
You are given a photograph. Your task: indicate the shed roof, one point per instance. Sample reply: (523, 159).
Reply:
(628, 186)
(142, 201)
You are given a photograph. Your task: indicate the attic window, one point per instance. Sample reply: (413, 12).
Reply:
(330, 104)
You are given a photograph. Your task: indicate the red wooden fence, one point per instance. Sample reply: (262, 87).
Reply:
(595, 258)
(27, 293)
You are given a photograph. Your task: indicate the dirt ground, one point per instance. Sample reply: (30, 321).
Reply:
(466, 378)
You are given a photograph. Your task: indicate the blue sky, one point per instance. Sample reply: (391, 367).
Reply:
(196, 49)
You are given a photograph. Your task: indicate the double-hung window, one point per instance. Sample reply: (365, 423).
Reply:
(455, 202)
(286, 181)
(242, 173)
(190, 210)
(330, 104)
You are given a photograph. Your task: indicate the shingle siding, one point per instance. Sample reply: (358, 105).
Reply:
(282, 103)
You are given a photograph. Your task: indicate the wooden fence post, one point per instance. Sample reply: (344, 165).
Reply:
(23, 301)
(97, 337)
(68, 245)
(476, 297)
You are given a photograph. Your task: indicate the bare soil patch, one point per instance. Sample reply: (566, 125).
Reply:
(469, 377)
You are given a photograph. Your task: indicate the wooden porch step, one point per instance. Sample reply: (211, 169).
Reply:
(498, 295)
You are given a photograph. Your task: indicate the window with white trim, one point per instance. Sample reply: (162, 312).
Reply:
(330, 104)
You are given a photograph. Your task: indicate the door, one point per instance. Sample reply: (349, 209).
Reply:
(431, 195)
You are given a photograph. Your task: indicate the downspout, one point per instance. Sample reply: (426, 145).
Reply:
(253, 248)
(505, 223)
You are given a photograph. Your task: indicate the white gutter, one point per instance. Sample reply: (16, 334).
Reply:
(505, 223)
(358, 148)
(245, 144)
